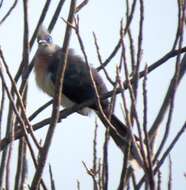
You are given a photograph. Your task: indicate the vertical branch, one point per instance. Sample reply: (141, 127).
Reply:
(149, 151)
(132, 97)
(125, 174)
(19, 167)
(95, 167)
(52, 182)
(92, 174)
(21, 174)
(56, 104)
(2, 106)
(7, 174)
(78, 185)
(123, 178)
(132, 52)
(178, 25)
(25, 165)
(4, 166)
(170, 174)
(159, 180)
(100, 59)
(138, 60)
(100, 109)
(105, 170)
(140, 37)
(95, 148)
(100, 175)
(10, 123)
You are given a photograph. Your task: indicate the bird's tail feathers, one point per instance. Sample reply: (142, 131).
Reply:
(118, 131)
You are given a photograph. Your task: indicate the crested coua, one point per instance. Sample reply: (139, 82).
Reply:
(77, 83)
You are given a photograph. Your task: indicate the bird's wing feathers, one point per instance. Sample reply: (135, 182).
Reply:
(77, 85)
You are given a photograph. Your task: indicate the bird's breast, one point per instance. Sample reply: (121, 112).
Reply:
(42, 76)
(44, 82)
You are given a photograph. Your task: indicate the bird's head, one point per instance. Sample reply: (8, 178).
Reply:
(45, 42)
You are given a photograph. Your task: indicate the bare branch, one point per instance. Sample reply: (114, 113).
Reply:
(118, 45)
(56, 15)
(8, 12)
(170, 174)
(40, 21)
(81, 5)
(51, 178)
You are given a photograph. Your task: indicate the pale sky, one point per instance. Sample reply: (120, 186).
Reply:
(72, 142)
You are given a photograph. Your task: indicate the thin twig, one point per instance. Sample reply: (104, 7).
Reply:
(123, 178)
(40, 21)
(9, 12)
(2, 107)
(100, 60)
(39, 110)
(132, 52)
(92, 174)
(81, 5)
(52, 182)
(1, 3)
(78, 185)
(19, 166)
(170, 93)
(139, 156)
(56, 15)
(149, 151)
(178, 25)
(118, 45)
(100, 109)
(159, 180)
(105, 173)
(24, 164)
(95, 148)
(166, 153)
(21, 104)
(170, 174)
(138, 59)
(23, 129)
(179, 72)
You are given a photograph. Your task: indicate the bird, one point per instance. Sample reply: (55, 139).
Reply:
(77, 82)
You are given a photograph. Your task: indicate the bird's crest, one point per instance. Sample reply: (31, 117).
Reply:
(43, 35)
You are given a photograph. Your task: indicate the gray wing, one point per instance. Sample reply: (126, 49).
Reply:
(77, 84)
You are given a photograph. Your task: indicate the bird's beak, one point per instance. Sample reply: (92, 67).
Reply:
(42, 42)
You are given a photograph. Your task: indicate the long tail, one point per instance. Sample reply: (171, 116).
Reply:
(118, 131)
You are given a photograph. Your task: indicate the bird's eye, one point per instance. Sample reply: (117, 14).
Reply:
(49, 39)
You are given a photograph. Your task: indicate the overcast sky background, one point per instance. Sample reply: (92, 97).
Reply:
(72, 143)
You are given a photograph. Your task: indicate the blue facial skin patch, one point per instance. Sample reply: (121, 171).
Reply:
(49, 39)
